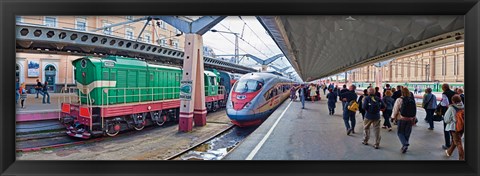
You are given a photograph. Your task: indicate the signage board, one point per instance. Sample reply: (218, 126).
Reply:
(186, 90)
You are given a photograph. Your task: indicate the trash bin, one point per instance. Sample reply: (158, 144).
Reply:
(33, 91)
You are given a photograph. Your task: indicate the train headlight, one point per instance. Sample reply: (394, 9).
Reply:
(247, 105)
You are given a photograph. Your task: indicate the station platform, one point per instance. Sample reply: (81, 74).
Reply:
(293, 133)
(35, 110)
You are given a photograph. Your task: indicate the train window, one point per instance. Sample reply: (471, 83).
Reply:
(112, 76)
(246, 86)
(105, 75)
(212, 80)
(151, 76)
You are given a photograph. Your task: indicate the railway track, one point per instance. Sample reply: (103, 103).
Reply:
(215, 147)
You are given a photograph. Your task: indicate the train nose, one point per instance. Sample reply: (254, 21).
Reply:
(240, 115)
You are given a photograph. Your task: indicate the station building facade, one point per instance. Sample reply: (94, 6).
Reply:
(58, 69)
(441, 64)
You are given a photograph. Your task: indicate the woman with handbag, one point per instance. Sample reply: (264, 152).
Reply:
(430, 105)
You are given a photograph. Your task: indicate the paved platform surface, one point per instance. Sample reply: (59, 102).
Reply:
(312, 134)
(35, 110)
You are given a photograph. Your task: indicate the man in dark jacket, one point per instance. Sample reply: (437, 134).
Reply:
(446, 100)
(372, 106)
(45, 93)
(344, 89)
(397, 93)
(39, 88)
(347, 114)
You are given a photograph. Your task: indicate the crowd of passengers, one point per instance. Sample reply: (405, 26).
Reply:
(398, 107)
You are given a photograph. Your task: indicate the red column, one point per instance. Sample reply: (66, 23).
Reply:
(192, 106)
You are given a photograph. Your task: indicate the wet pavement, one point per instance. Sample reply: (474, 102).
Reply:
(312, 134)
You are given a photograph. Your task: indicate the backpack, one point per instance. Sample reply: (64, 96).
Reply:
(353, 106)
(373, 105)
(409, 107)
(459, 120)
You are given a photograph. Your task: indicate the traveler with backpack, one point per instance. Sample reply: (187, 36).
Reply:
(332, 100)
(350, 109)
(455, 120)
(372, 105)
(444, 103)
(429, 104)
(404, 111)
(387, 113)
(360, 103)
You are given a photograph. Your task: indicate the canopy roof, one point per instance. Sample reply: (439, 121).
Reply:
(320, 46)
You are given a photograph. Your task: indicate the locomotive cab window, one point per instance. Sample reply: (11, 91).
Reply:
(248, 86)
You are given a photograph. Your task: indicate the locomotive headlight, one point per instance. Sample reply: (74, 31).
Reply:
(247, 105)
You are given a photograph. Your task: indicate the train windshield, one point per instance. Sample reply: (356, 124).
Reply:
(247, 86)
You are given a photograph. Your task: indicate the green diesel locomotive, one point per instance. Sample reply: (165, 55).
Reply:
(114, 92)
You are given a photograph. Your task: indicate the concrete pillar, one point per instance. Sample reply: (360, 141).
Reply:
(432, 66)
(192, 109)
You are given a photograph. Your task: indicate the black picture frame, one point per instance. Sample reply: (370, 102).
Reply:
(10, 8)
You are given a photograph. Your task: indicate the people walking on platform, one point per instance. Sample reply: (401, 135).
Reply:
(369, 86)
(23, 94)
(415, 91)
(344, 89)
(460, 92)
(331, 86)
(360, 102)
(387, 87)
(324, 87)
(387, 114)
(377, 93)
(429, 103)
(455, 120)
(38, 88)
(313, 92)
(332, 101)
(293, 93)
(404, 110)
(446, 100)
(398, 93)
(301, 93)
(45, 93)
(17, 94)
(372, 105)
(348, 115)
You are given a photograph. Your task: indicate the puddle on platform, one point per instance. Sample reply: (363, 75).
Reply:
(219, 147)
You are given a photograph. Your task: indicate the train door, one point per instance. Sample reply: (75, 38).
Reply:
(122, 84)
(132, 92)
(142, 85)
(113, 93)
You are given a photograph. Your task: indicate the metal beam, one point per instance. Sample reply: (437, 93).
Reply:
(204, 24)
(199, 26)
(264, 62)
(37, 39)
(270, 60)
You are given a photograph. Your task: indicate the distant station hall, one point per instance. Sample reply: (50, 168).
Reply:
(240, 88)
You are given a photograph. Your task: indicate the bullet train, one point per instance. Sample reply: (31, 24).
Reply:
(255, 96)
